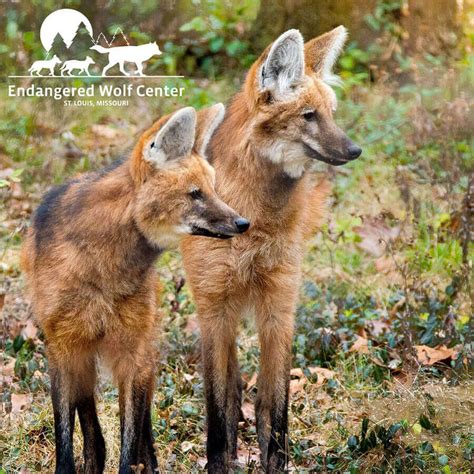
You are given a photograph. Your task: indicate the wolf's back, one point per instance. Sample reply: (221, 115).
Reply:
(100, 49)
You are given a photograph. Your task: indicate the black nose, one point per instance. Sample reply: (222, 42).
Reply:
(354, 151)
(241, 224)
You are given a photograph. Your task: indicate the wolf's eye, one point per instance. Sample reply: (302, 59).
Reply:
(196, 194)
(310, 116)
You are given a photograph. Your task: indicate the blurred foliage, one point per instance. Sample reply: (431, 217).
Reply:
(415, 127)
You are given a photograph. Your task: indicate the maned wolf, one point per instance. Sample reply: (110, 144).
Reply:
(132, 54)
(50, 64)
(273, 129)
(89, 259)
(73, 64)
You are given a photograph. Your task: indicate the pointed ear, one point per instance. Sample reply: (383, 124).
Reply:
(284, 63)
(174, 140)
(208, 120)
(322, 52)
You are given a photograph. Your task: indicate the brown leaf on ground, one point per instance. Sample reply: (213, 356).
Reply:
(30, 330)
(375, 235)
(104, 131)
(322, 373)
(429, 356)
(7, 372)
(297, 385)
(248, 410)
(192, 326)
(377, 327)
(360, 345)
(252, 382)
(296, 372)
(245, 456)
(20, 401)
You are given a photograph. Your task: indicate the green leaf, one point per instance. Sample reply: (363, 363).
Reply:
(425, 422)
(443, 460)
(215, 45)
(236, 47)
(365, 425)
(416, 428)
(352, 442)
(196, 24)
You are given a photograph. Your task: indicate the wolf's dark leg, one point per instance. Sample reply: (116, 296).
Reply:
(94, 445)
(275, 328)
(64, 411)
(234, 401)
(146, 452)
(218, 343)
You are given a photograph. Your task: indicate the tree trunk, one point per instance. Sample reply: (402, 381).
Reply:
(434, 27)
(312, 18)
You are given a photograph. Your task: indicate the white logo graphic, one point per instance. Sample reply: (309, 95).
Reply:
(64, 28)
(131, 54)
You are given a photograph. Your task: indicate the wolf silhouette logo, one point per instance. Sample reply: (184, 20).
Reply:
(64, 25)
(132, 54)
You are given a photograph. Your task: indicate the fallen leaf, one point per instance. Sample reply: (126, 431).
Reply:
(186, 446)
(104, 131)
(192, 326)
(245, 457)
(252, 381)
(297, 385)
(20, 401)
(375, 235)
(377, 327)
(428, 355)
(248, 410)
(360, 346)
(296, 372)
(188, 377)
(30, 330)
(385, 264)
(322, 373)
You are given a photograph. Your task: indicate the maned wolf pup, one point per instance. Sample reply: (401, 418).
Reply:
(280, 121)
(89, 260)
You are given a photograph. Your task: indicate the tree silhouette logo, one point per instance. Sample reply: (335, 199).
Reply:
(67, 32)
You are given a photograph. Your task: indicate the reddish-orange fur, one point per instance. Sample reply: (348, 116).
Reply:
(258, 272)
(88, 259)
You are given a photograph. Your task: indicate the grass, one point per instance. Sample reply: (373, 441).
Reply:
(390, 269)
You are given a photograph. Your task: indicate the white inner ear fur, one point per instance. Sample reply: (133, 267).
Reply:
(216, 120)
(174, 140)
(333, 52)
(284, 66)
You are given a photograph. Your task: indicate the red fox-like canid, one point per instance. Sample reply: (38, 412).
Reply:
(280, 121)
(88, 259)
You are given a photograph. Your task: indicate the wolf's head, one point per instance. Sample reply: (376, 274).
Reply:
(154, 48)
(175, 194)
(289, 92)
(89, 60)
(55, 60)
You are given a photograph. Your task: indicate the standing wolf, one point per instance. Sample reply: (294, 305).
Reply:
(89, 259)
(50, 64)
(132, 54)
(280, 121)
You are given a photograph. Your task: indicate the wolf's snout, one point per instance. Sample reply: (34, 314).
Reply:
(242, 224)
(354, 151)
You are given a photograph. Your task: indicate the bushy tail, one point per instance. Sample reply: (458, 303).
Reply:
(100, 49)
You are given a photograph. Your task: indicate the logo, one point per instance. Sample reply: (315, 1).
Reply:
(71, 50)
